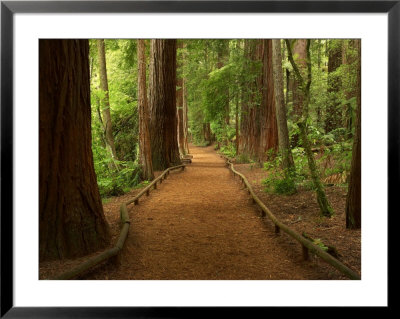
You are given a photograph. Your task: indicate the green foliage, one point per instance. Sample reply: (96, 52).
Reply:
(228, 150)
(280, 182)
(116, 177)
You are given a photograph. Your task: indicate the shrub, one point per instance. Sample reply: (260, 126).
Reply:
(280, 184)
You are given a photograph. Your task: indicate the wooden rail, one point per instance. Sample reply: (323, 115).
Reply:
(125, 223)
(307, 246)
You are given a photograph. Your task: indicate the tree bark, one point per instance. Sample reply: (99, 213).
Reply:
(106, 100)
(71, 218)
(299, 51)
(185, 116)
(353, 202)
(179, 108)
(162, 98)
(268, 134)
(249, 122)
(283, 133)
(143, 108)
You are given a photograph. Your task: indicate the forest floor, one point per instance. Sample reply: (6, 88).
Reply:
(200, 224)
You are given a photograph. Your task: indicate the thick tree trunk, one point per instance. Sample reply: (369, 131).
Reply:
(105, 103)
(71, 218)
(258, 127)
(162, 98)
(143, 107)
(353, 202)
(333, 110)
(283, 133)
(268, 125)
(249, 122)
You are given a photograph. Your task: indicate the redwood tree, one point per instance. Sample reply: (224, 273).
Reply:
(258, 126)
(353, 202)
(162, 99)
(268, 124)
(143, 108)
(71, 218)
(185, 106)
(179, 108)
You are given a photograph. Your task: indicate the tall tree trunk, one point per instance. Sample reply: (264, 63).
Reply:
(299, 51)
(268, 134)
(333, 111)
(237, 122)
(250, 109)
(162, 94)
(143, 107)
(179, 107)
(71, 218)
(297, 94)
(185, 116)
(283, 133)
(303, 77)
(106, 100)
(353, 202)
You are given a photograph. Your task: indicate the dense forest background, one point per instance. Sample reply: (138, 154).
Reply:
(226, 90)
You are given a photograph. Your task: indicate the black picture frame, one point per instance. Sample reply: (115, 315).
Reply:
(9, 8)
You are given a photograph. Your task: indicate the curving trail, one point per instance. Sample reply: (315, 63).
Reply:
(200, 224)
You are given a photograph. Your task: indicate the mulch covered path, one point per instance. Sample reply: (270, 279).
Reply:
(200, 224)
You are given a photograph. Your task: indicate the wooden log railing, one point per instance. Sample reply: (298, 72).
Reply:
(307, 246)
(125, 223)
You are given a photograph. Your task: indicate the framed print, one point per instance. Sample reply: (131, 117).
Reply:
(104, 62)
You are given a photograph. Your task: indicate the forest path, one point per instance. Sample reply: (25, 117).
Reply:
(200, 224)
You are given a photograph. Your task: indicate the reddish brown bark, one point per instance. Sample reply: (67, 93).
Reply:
(162, 99)
(179, 108)
(248, 123)
(268, 124)
(143, 108)
(259, 131)
(353, 202)
(185, 117)
(71, 218)
(184, 103)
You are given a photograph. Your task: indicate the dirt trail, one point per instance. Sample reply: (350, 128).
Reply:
(200, 224)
